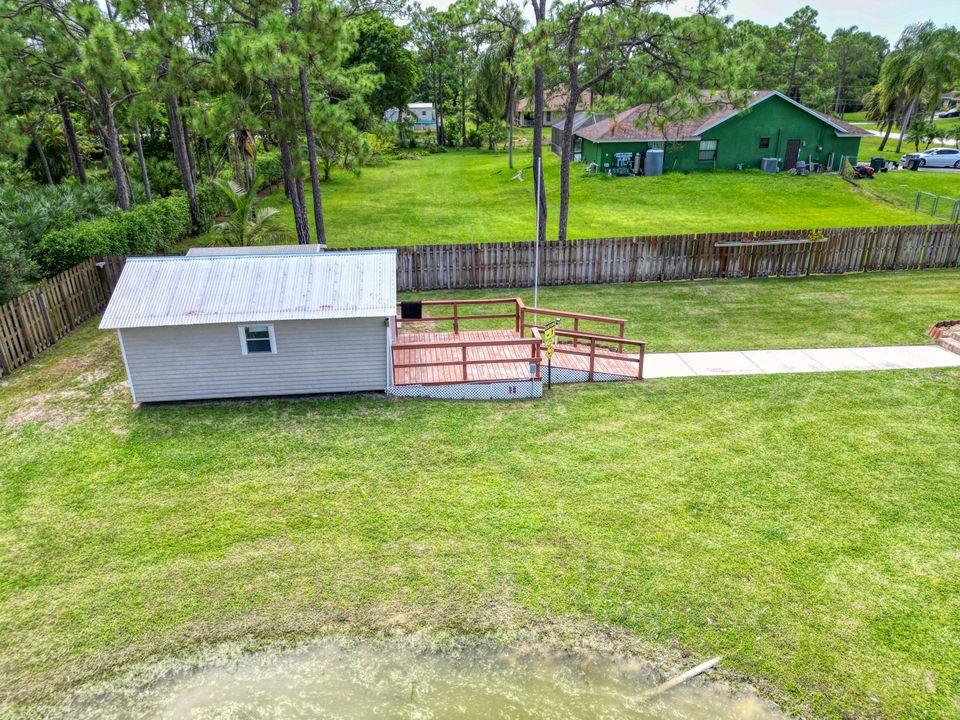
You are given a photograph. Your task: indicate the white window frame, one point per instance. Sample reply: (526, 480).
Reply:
(700, 151)
(243, 338)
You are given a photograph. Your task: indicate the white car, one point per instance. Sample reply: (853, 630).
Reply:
(935, 157)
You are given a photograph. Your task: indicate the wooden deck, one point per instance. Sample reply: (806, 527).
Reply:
(497, 355)
(475, 356)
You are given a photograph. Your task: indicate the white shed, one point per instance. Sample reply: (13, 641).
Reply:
(222, 326)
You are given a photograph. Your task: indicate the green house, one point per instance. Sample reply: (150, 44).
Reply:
(730, 136)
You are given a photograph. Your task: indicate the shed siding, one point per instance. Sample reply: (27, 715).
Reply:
(205, 361)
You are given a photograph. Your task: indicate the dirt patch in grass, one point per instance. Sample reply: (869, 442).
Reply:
(53, 409)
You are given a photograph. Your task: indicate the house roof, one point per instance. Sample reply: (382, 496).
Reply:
(557, 100)
(201, 290)
(581, 120)
(647, 122)
(257, 250)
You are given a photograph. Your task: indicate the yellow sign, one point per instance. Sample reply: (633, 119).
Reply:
(550, 337)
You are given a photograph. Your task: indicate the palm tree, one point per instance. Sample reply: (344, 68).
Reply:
(953, 133)
(924, 61)
(247, 223)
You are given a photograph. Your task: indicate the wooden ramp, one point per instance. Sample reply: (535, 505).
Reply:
(491, 363)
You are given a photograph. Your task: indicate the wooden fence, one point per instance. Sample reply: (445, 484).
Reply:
(36, 320)
(659, 258)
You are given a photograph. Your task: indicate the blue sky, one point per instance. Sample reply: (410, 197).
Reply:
(883, 17)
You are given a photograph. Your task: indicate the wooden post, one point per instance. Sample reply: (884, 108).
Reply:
(45, 314)
(620, 345)
(593, 351)
(464, 348)
(456, 319)
(576, 328)
(643, 349)
(28, 338)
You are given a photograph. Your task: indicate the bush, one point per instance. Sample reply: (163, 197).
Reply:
(269, 169)
(15, 267)
(164, 176)
(145, 229)
(27, 214)
(211, 204)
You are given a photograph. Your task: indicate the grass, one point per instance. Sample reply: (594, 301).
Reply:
(900, 188)
(804, 527)
(880, 309)
(470, 196)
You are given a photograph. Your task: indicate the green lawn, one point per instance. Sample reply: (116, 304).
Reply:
(900, 189)
(804, 527)
(470, 196)
(880, 309)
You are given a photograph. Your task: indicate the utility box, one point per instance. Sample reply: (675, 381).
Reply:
(769, 165)
(653, 162)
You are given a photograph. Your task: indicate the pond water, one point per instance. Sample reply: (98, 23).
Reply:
(392, 679)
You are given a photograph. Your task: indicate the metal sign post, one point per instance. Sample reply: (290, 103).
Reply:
(549, 340)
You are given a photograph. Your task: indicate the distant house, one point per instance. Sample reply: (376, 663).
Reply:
(554, 106)
(580, 120)
(729, 135)
(420, 113)
(246, 325)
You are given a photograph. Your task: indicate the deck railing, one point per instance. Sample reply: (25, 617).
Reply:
(457, 316)
(592, 345)
(596, 347)
(460, 349)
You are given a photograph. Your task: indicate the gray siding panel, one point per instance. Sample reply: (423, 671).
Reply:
(205, 361)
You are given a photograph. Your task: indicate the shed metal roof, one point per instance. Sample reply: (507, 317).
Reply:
(201, 290)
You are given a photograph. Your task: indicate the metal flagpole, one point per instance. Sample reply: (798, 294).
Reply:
(536, 247)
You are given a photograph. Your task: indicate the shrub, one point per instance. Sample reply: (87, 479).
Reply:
(15, 267)
(211, 204)
(164, 176)
(269, 169)
(145, 229)
(27, 214)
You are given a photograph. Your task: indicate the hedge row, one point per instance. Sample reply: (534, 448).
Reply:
(143, 230)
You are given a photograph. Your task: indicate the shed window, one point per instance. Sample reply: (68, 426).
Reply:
(257, 339)
(708, 150)
(764, 143)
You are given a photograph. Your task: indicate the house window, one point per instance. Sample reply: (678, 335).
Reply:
(708, 150)
(257, 339)
(764, 143)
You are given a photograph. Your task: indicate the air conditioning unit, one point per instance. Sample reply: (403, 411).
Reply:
(769, 165)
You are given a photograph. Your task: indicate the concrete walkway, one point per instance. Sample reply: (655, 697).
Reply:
(771, 362)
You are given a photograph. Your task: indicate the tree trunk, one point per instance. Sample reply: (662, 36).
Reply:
(539, 189)
(180, 156)
(312, 155)
(511, 115)
(138, 141)
(566, 151)
(886, 135)
(206, 157)
(463, 102)
(836, 99)
(291, 178)
(905, 124)
(112, 142)
(70, 136)
(43, 158)
(188, 149)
